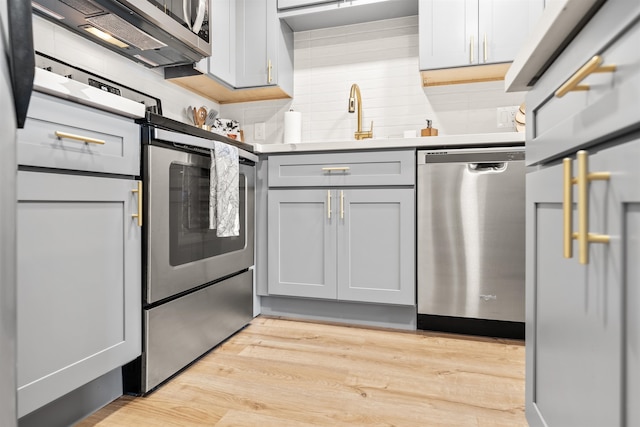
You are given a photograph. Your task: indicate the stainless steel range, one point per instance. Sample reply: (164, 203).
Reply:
(197, 287)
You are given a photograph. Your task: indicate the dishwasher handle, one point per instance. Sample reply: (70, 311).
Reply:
(494, 167)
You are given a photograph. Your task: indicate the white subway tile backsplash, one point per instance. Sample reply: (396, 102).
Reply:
(382, 58)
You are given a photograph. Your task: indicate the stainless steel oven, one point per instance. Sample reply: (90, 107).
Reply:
(183, 252)
(197, 287)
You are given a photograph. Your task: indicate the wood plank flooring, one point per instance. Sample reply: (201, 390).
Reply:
(283, 373)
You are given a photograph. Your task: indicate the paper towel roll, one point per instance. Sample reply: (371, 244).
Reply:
(292, 127)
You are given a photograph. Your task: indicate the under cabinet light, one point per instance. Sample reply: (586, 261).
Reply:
(105, 36)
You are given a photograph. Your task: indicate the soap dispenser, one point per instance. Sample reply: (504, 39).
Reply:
(429, 131)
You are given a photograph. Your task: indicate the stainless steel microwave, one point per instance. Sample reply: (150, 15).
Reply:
(155, 33)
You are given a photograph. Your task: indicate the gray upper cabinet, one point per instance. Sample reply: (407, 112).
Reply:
(289, 4)
(304, 15)
(79, 278)
(340, 242)
(583, 228)
(459, 33)
(252, 51)
(222, 63)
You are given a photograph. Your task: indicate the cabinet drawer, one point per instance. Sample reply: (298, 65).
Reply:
(582, 117)
(116, 148)
(343, 169)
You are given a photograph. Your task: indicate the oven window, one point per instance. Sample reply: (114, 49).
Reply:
(190, 238)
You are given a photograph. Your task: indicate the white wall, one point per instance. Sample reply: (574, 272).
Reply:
(58, 42)
(382, 58)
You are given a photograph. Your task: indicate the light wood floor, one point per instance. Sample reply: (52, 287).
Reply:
(282, 373)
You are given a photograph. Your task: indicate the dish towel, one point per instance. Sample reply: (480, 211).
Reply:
(224, 197)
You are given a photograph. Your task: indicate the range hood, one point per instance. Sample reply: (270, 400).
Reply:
(146, 31)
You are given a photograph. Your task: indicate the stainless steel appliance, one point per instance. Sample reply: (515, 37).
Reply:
(16, 82)
(198, 288)
(153, 32)
(471, 240)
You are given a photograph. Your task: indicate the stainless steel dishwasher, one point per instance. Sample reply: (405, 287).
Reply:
(471, 241)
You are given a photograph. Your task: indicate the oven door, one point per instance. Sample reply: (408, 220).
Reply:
(182, 253)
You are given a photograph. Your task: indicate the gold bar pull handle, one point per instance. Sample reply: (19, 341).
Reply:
(485, 48)
(86, 139)
(328, 204)
(583, 180)
(269, 68)
(594, 65)
(335, 169)
(341, 204)
(139, 214)
(567, 210)
(471, 50)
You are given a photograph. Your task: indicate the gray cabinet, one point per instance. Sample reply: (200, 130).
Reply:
(304, 15)
(78, 248)
(79, 276)
(583, 353)
(341, 226)
(577, 312)
(458, 33)
(252, 51)
(349, 244)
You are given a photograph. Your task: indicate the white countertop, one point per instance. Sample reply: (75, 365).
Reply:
(469, 140)
(557, 22)
(62, 87)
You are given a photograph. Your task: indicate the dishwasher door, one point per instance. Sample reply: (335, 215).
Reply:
(471, 233)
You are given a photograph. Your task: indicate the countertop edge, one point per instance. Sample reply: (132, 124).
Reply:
(446, 141)
(558, 21)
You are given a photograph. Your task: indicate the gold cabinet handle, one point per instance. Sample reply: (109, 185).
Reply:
(485, 48)
(582, 180)
(78, 138)
(341, 204)
(567, 211)
(471, 50)
(594, 65)
(269, 67)
(328, 204)
(139, 214)
(336, 169)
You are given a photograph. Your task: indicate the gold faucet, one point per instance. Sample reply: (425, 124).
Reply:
(355, 93)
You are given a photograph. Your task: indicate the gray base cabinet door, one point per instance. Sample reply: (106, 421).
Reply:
(79, 278)
(376, 246)
(580, 372)
(302, 241)
(350, 245)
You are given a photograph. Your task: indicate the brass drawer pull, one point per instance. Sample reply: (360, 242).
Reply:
(336, 169)
(582, 180)
(341, 204)
(593, 66)
(79, 138)
(328, 204)
(471, 50)
(139, 214)
(269, 67)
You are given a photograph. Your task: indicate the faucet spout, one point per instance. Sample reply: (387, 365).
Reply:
(356, 97)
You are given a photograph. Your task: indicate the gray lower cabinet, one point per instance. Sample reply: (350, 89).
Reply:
(576, 314)
(79, 260)
(346, 244)
(583, 229)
